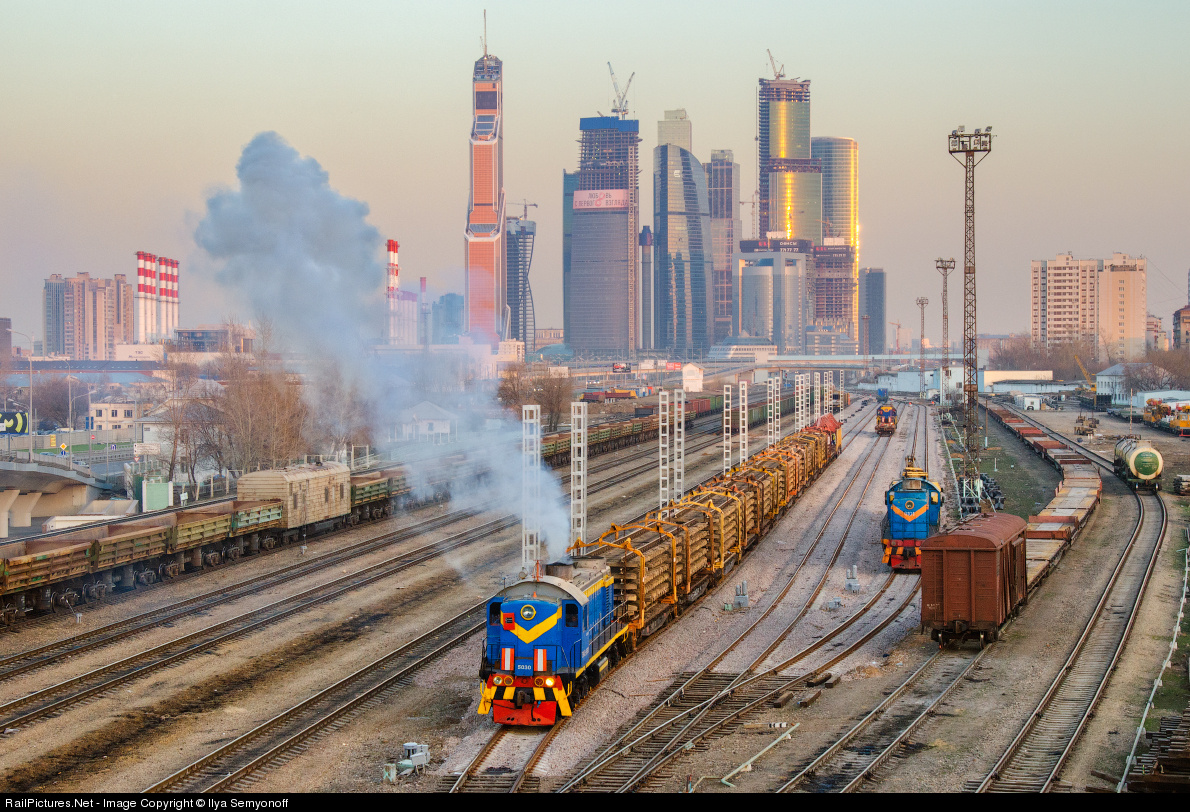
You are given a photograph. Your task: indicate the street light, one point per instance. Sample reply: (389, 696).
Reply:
(23, 335)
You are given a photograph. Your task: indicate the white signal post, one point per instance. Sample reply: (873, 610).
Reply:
(530, 488)
(743, 422)
(578, 472)
(726, 427)
(679, 472)
(663, 426)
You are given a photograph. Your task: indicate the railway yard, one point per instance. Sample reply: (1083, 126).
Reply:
(309, 667)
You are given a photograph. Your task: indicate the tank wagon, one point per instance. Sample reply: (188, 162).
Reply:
(973, 578)
(273, 507)
(1138, 463)
(914, 507)
(886, 419)
(552, 638)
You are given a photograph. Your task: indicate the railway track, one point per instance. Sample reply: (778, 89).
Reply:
(844, 765)
(707, 702)
(237, 765)
(1036, 756)
(57, 698)
(490, 770)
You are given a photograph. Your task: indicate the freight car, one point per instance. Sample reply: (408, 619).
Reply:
(551, 638)
(273, 507)
(973, 578)
(1139, 464)
(882, 396)
(886, 419)
(914, 507)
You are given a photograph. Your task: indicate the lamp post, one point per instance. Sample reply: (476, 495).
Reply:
(23, 335)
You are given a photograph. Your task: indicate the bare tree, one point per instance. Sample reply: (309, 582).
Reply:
(516, 387)
(554, 394)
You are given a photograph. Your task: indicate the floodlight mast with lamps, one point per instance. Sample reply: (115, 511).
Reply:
(970, 145)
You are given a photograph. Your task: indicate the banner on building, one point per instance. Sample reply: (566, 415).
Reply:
(671, 366)
(14, 422)
(590, 199)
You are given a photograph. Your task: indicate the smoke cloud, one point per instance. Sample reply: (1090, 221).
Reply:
(304, 258)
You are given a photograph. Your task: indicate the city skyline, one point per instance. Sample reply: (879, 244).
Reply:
(84, 182)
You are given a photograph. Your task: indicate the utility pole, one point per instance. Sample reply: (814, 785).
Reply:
(945, 266)
(866, 344)
(970, 145)
(922, 301)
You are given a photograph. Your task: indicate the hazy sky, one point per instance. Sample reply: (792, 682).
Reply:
(117, 119)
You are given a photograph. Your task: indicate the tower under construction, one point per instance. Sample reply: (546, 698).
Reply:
(790, 182)
(520, 236)
(485, 302)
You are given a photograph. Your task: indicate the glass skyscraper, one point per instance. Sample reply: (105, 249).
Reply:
(683, 297)
(871, 304)
(790, 182)
(484, 240)
(839, 158)
(723, 187)
(601, 297)
(520, 235)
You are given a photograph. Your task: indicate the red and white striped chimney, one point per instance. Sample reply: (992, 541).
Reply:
(146, 297)
(394, 279)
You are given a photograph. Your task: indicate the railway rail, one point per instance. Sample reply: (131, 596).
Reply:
(704, 703)
(1034, 759)
(238, 764)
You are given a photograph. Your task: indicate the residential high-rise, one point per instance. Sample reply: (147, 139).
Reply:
(790, 181)
(871, 304)
(836, 288)
(601, 301)
(85, 318)
(723, 187)
(683, 299)
(5, 345)
(484, 241)
(1100, 303)
(519, 237)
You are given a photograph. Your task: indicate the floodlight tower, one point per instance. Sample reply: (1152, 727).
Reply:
(922, 301)
(970, 145)
(945, 266)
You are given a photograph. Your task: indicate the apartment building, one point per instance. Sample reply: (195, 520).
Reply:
(1098, 301)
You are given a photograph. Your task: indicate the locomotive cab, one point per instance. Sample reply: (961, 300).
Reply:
(545, 643)
(914, 508)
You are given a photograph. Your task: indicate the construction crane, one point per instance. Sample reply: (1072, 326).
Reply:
(526, 204)
(897, 324)
(778, 73)
(620, 108)
(1086, 375)
(752, 202)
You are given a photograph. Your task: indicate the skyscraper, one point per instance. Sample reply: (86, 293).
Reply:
(519, 237)
(723, 187)
(647, 339)
(569, 184)
(683, 299)
(790, 181)
(836, 287)
(601, 299)
(771, 292)
(484, 241)
(871, 304)
(676, 129)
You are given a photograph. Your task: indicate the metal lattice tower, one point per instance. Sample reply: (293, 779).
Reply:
(578, 472)
(726, 427)
(970, 145)
(945, 266)
(663, 427)
(530, 488)
(743, 422)
(801, 403)
(679, 472)
(817, 413)
(777, 405)
(828, 396)
(770, 414)
(922, 301)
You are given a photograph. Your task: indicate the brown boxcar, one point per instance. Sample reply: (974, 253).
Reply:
(973, 578)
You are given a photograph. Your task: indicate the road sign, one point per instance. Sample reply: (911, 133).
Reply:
(63, 446)
(92, 438)
(112, 447)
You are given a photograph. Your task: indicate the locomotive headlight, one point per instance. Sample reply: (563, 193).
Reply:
(539, 682)
(549, 682)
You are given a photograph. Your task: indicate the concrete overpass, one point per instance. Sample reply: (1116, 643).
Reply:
(44, 487)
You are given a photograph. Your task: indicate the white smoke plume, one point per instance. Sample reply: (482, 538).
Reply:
(304, 257)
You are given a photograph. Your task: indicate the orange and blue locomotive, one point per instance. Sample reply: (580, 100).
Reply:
(886, 419)
(914, 508)
(550, 639)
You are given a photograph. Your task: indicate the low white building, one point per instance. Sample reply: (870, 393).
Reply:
(427, 423)
(692, 378)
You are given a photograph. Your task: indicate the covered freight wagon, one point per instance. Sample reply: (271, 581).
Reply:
(973, 578)
(309, 494)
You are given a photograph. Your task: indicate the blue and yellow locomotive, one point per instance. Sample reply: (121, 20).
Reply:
(550, 640)
(914, 510)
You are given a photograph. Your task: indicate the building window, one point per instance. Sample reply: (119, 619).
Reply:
(99, 412)
(327, 496)
(128, 412)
